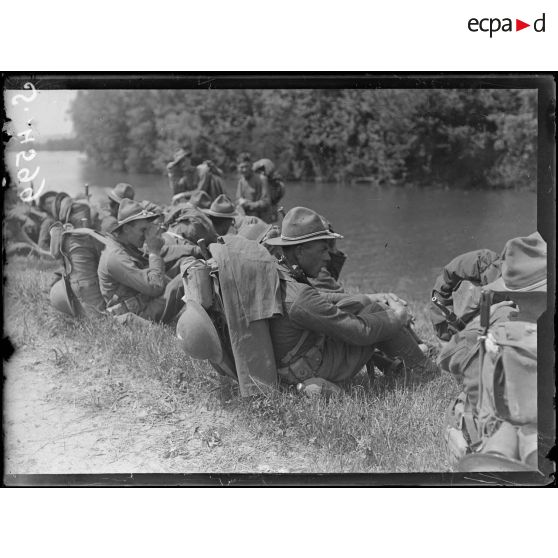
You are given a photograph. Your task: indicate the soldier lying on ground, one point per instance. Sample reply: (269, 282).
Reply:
(332, 335)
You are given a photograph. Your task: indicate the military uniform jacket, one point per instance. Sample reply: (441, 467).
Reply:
(346, 327)
(256, 191)
(126, 272)
(460, 284)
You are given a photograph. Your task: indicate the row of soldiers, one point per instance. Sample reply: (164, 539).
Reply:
(284, 279)
(132, 268)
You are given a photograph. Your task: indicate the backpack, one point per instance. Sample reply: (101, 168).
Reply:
(79, 250)
(500, 430)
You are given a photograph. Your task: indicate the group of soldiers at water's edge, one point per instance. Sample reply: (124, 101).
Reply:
(257, 293)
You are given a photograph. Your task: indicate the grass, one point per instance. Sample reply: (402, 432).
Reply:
(141, 373)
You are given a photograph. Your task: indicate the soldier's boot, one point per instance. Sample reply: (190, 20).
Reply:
(416, 365)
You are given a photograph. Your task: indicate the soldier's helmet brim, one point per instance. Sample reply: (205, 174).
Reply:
(197, 335)
(59, 298)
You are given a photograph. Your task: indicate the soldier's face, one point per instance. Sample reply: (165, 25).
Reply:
(134, 232)
(312, 256)
(245, 169)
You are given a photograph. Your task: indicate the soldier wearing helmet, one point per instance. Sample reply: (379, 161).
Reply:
(331, 335)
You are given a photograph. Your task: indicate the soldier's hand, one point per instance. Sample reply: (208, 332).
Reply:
(154, 240)
(395, 298)
(400, 311)
(384, 298)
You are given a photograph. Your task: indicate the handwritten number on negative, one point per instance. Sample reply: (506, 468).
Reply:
(20, 96)
(28, 155)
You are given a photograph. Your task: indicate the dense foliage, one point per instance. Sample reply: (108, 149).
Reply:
(456, 138)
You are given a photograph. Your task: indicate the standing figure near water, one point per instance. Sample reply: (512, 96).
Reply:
(210, 180)
(266, 168)
(183, 176)
(252, 193)
(332, 335)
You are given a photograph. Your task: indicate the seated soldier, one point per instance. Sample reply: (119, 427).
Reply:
(460, 355)
(457, 290)
(247, 220)
(331, 335)
(109, 219)
(512, 323)
(222, 214)
(23, 223)
(327, 279)
(129, 281)
(186, 223)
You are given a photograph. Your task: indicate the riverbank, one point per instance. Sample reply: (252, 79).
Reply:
(94, 397)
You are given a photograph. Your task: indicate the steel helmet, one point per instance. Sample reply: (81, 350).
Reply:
(500, 452)
(197, 335)
(59, 298)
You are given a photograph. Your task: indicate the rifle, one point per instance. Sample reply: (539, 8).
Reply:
(455, 323)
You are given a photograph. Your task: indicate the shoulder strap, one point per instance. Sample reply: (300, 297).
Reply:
(287, 358)
(89, 232)
(470, 423)
(173, 234)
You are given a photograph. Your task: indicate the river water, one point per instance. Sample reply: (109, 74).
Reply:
(395, 238)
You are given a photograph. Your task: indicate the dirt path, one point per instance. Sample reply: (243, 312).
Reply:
(46, 435)
(46, 432)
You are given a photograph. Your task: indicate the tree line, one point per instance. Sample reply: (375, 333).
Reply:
(458, 138)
